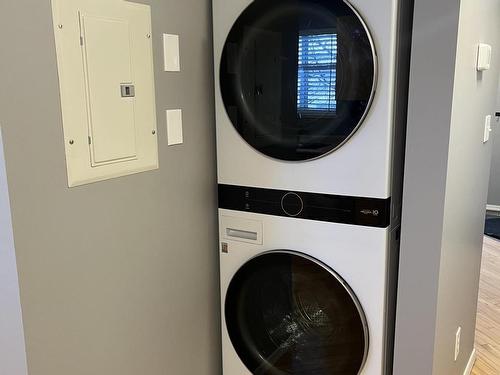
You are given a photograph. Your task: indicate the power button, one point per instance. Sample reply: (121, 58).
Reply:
(292, 204)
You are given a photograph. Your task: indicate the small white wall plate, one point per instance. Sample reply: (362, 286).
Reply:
(484, 57)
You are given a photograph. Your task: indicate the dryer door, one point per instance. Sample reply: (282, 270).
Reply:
(298, 77)
(286, 313)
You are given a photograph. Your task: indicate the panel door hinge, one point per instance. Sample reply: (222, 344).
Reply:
(90, 140)
(81, 40)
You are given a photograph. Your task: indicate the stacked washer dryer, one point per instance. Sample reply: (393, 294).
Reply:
(311, 100)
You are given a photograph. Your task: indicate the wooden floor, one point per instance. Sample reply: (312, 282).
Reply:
(488, 319)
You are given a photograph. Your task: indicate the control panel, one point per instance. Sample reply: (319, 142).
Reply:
(304, 205)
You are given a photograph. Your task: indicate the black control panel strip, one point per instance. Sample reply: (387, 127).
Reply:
(370, 212)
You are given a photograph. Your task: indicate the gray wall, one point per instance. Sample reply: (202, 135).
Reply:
(445, 184)
(494, 188)
(117, 277)
(434, 34)
(474, 98)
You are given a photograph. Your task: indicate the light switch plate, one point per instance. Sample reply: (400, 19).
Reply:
(171, 53)
(487, 129)
(174, 127)
(484, 57)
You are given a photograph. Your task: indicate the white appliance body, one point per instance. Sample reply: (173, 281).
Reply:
(335, 201)
(360, 167)
(360, 255)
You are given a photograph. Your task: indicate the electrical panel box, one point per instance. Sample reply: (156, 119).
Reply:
(105, 64)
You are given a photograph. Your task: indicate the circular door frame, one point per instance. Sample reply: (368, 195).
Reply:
(361, 121)
(328, 269)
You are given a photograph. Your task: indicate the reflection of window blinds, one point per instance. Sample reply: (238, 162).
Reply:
(317, 73)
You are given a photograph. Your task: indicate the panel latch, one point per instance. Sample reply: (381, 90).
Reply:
(127, 90)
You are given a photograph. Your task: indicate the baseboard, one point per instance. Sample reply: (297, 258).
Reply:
(470, 364)
(492, 207)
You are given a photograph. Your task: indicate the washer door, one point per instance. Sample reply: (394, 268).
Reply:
(286, 313)
(298, 76)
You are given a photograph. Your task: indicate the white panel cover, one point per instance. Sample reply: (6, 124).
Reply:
(101, 46)
(108, 65)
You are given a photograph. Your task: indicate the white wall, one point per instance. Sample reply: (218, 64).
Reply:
(12, 349)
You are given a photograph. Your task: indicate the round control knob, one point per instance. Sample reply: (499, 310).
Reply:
(292, 204)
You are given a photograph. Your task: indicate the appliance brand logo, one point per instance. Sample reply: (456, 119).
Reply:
(370, 212)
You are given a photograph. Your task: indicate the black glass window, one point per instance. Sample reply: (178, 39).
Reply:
(287, 314)
(297, 76)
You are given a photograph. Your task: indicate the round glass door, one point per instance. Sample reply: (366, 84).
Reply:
(298, 76)
(286, 313)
